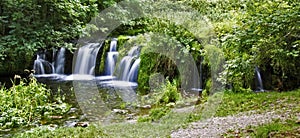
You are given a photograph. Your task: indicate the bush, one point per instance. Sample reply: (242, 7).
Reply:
(170, 93)
(155, 114)
(24, 104)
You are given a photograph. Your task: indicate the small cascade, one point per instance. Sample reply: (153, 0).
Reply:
(128, 67)
(86, 59)
(111, 58)
(41, 65)
(133, 73)
(201, 73)
(259, 80)
(60, 61)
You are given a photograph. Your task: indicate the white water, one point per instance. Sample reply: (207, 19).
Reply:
(111, 58)
(38, 66)
(128, 67)
(42, 66)
(60, 61)
(86, 59)
(133, 73)
(259, 80)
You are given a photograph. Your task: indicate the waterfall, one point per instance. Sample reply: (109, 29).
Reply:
(111, 58)
(60, 61)
(129, 64)
(38, 66)
(128, 67)
(259, 80)
(41, 65)
(133, 73)
(86, 59)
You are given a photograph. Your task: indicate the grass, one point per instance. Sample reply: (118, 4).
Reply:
(231, 104)
(277, 128)
(144, 129)
(234, 103)
(78, 132)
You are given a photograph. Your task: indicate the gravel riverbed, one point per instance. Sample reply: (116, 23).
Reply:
(215, 127)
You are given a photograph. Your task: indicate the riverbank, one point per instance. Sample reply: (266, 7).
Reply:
(250, 108)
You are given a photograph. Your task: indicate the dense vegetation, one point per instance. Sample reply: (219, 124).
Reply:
(28, 104)
(228, 38)
(250, 33)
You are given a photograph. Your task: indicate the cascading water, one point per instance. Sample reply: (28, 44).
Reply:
(133, 73)
(84, 68)
(60, 61)
(111, 58)
(128, 67)
(259, 80)
(42, 66)
(86, 59)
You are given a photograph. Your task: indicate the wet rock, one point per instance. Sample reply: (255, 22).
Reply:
(120, 111)
(82, 124)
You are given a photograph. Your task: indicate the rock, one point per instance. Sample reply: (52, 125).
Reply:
(120, 111)
(146, 107)
(82, 124)
(130, 117)
(70, 124)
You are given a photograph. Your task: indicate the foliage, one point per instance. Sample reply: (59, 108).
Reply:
(269, 129)
(277, 128)
(165, 96)
(155, 114)
(266, 36)
(78, 132)
(170, 93)
(142, 129)
(28, 26)
(25, 104)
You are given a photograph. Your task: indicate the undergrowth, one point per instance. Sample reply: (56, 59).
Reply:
(27, 103)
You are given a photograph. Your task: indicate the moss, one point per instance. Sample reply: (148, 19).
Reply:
(103, 53)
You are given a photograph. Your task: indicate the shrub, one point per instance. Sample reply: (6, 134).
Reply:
(170, 93)
(155, 114)
(24, 104)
